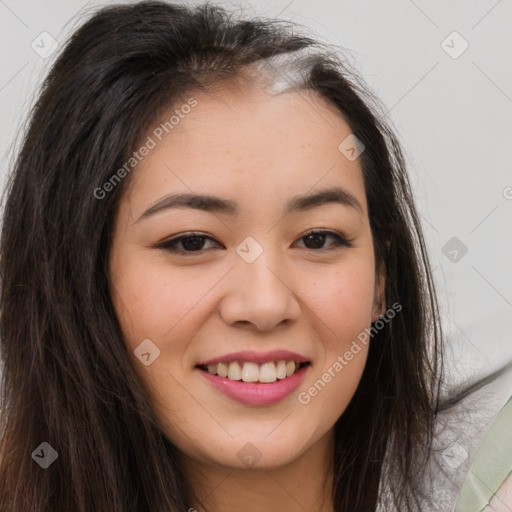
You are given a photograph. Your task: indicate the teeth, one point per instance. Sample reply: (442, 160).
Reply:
(235, 371)
(250, 372)
(268, 372)
(281, 370)
(222, 370)
(254, 372)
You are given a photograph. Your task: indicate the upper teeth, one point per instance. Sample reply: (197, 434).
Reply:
(254, 372)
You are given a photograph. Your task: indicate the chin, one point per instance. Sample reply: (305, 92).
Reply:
(259, 451)
(252, 450)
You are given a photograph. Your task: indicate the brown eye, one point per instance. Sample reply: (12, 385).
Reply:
(186, 243)
(195, 242)
(316, 240)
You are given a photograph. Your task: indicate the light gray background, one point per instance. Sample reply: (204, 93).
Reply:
(453, 117)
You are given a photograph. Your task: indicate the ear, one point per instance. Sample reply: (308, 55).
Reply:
(379, 297)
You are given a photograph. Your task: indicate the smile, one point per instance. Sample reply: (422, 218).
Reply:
(254, 372)
(256, 379)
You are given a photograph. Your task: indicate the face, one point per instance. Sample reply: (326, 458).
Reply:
(240, 285)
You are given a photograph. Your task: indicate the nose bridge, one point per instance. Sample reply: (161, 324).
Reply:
(260, 292)
(262, 278)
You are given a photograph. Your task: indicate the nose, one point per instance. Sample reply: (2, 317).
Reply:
(260, 295)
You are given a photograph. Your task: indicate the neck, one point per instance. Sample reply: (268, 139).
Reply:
(304, 484)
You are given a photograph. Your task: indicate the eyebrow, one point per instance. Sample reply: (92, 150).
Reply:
(213, 204)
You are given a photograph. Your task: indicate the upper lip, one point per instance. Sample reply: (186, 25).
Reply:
(257, 357)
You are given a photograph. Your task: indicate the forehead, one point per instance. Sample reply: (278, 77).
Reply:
(249, 143)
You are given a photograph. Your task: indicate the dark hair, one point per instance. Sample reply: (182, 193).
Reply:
(67, 378)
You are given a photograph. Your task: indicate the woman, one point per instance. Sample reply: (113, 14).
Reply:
(215, 290)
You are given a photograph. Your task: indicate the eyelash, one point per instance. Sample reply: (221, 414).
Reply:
(170, 245)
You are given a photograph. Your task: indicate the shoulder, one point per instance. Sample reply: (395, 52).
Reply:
(488, 485)
(471, 435)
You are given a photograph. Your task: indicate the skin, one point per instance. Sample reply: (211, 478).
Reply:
(502, 500)
(259, 150)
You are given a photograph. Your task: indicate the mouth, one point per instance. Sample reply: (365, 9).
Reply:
(256, 379)
(250, 371)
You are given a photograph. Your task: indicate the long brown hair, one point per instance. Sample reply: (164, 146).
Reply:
(67, 379)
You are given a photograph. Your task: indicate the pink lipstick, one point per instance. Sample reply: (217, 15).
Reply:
(255, 378)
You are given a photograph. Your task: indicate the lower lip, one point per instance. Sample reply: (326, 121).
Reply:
(257, 393)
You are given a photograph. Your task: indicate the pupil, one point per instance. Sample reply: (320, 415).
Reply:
(192, 243)
(318, 240)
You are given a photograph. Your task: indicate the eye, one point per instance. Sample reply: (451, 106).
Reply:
(315, 240)
(195, 242)
(191, 242)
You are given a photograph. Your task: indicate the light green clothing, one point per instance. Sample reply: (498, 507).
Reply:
(491, 465)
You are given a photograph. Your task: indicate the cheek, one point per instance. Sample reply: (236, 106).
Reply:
(152, 300)
(344, 305)
(343, 299)
(345, 310)
(331, 387)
